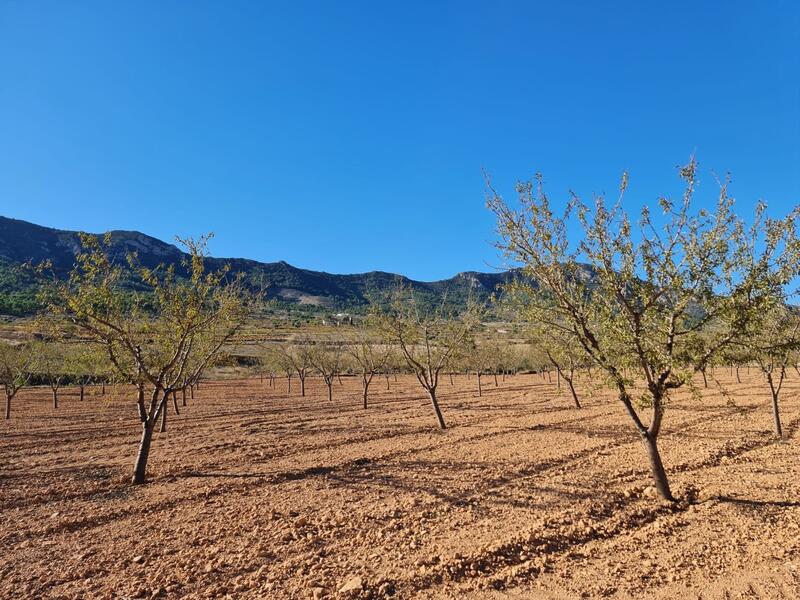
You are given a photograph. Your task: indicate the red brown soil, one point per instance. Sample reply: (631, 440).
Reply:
(254, 494)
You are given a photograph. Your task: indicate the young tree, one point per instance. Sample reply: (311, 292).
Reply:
(52, 366)
(269, 364)
(565, 354)
(371, 356)
(428, 339)
(326, 356)
(772, 345)
(17, 364)
(298, 360)
(151, 339)
(85, 363)
(481, 359)
(283, 361)
(633, 298)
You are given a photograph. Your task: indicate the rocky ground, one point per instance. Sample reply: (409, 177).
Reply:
(256, 494)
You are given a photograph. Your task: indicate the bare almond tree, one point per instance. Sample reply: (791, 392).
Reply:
(326, 357)
(372, 356)
(52, 366)
(17, 364)
(428, 338)
(481, 359)
(772, 345)
(296, 358)
(565, 354)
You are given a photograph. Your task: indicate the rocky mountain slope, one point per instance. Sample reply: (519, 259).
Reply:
(22, 242)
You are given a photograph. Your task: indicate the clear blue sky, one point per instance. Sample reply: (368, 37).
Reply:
(350, 136)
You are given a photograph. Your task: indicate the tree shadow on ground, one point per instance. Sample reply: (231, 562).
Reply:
(758, 503)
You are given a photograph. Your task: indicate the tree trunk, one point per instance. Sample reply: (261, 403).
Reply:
(436, 409)
(480, 389)
(330, 390)
(738, 379)
(776, 416)
(140, 467)
(387, 381)
(303, 387)
(103, 390)
(289, 379)
(55, 398)
(572, 389)
(451, 378)
(705, 381)
(8, 405)
(83, 388)
(191, 391)
(175, 401)
(549, 376)
(365, 389)
(558, 379)
(163, 419)
(183, 396)
(657, 467)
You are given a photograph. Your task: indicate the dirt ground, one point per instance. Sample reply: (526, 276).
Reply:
(254, 494)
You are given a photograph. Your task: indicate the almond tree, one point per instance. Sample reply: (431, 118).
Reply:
(152, 339)
(298, 360)
(565, 354)
(428, 339)
(326, 356)
(283, 359)
(637, 296)
(481, 359)
(85, 364)
(269, 364)
(371, 356)
(52, 366)
(772, 345)
(16, 367)
(734, 357)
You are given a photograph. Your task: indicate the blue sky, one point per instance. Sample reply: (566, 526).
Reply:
(351, 136)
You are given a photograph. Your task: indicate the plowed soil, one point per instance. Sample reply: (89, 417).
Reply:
(257, 494)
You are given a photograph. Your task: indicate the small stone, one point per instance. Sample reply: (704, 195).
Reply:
(354, 584)
(138, 559)
(317, 593)
(209, 567)
(386, 589)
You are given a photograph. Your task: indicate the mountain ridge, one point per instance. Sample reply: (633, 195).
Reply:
(22, 241)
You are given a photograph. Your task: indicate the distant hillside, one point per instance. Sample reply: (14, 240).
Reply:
(22, 242)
